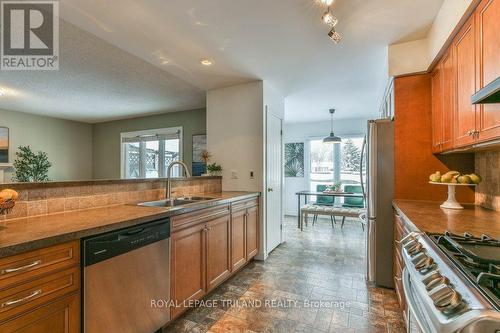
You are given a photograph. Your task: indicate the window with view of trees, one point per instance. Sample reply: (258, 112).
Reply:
(147, 154)
(332, 164)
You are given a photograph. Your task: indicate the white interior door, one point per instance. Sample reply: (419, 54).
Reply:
(274, 175)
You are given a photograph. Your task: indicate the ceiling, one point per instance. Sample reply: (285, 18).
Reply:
(280, 41)
(96, 81)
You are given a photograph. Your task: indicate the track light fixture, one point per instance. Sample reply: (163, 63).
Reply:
(330, 20)
(334, 36)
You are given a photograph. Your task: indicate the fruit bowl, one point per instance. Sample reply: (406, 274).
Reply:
(6, 206)
(451, 202)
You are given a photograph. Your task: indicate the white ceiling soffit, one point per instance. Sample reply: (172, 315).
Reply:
(96, 81)
(280, 41)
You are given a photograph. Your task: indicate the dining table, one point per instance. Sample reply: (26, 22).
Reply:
(307, 194)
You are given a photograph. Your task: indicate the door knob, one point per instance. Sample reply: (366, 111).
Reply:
(270, 189)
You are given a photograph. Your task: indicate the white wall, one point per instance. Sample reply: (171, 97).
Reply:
(235, 134)
(301, 132)
(236, 138)
(417, 56)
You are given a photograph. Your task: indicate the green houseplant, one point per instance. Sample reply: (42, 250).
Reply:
(31, 167)
(214, 169)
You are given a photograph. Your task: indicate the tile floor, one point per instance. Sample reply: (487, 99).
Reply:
(284, 293)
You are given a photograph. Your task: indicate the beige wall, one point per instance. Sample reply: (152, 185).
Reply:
(68, 144)
(106, 142)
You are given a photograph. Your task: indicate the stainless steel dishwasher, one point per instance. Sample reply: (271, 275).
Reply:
(126, 274)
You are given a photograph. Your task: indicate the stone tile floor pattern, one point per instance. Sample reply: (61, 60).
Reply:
(319, 264)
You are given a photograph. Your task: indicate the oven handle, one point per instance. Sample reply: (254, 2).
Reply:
(410, 301)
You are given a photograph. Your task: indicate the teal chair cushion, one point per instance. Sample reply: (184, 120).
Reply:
(324, 201)
(353, 202)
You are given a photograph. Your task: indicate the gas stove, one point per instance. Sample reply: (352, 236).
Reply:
(478, 258)
(451, 283)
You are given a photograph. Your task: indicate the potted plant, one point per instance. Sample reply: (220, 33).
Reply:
(31, 167)
(214, 169)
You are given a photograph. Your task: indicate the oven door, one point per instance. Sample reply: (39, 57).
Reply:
(417, 322)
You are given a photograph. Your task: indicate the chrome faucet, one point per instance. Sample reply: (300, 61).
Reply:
(169, 169)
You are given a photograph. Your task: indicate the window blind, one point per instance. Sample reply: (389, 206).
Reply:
(152, 137)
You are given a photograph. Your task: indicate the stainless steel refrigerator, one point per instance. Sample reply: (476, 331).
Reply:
(379, 195)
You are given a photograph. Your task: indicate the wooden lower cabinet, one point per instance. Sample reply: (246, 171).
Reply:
(205, 252)
(188, 266)
(399, 233)
(252, 229)
(238, 246)
(40, 290)
(218, 251)
(61, 316)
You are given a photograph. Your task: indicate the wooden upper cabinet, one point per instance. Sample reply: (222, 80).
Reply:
(465, 66)
(218, 251)
(487, 18)
(437, 109)
(188, 266)
(448, 99)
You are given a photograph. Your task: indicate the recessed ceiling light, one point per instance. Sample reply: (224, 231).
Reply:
(206, 62)
(326, 2)
(165, 62)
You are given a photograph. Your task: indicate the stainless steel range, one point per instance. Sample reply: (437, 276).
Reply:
(451, 283)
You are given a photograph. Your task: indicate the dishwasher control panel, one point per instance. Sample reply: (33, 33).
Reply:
(102, 247)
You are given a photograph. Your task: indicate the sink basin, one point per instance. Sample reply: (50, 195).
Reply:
(174, 202)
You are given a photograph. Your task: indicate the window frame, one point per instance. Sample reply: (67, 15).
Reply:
(307, 152)
(161, 168)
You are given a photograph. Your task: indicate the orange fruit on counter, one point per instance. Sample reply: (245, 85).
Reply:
(8, 194)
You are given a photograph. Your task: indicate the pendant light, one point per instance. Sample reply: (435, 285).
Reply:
(332, 138)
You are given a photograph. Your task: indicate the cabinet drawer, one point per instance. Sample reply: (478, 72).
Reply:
(61, 316)
(244, 204)
(204, 215)
(23, 297)
(26, 266)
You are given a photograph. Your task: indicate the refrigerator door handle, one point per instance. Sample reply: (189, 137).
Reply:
(363, 147)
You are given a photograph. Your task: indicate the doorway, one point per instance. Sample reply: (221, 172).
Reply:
(274, 181)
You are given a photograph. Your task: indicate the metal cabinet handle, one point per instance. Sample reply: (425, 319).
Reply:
(17, 269)
(270, 189)
(24, 299)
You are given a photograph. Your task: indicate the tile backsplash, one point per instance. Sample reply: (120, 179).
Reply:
(42, 199)
(488, 192)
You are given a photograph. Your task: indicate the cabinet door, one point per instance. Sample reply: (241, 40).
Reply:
(448, 100)
(62, 316)
(238, 239)
(187, 275)
(437, 108)
(218, 250)
(252, 239)
(488, 67)
(465, 65)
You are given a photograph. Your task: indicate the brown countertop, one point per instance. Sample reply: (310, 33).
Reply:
(428, 217)
(25, 234)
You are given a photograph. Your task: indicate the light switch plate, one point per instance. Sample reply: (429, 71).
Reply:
(234, 174)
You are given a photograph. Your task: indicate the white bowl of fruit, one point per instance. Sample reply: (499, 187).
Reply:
(453, 179)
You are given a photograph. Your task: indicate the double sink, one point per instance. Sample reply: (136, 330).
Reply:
(175, 202)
